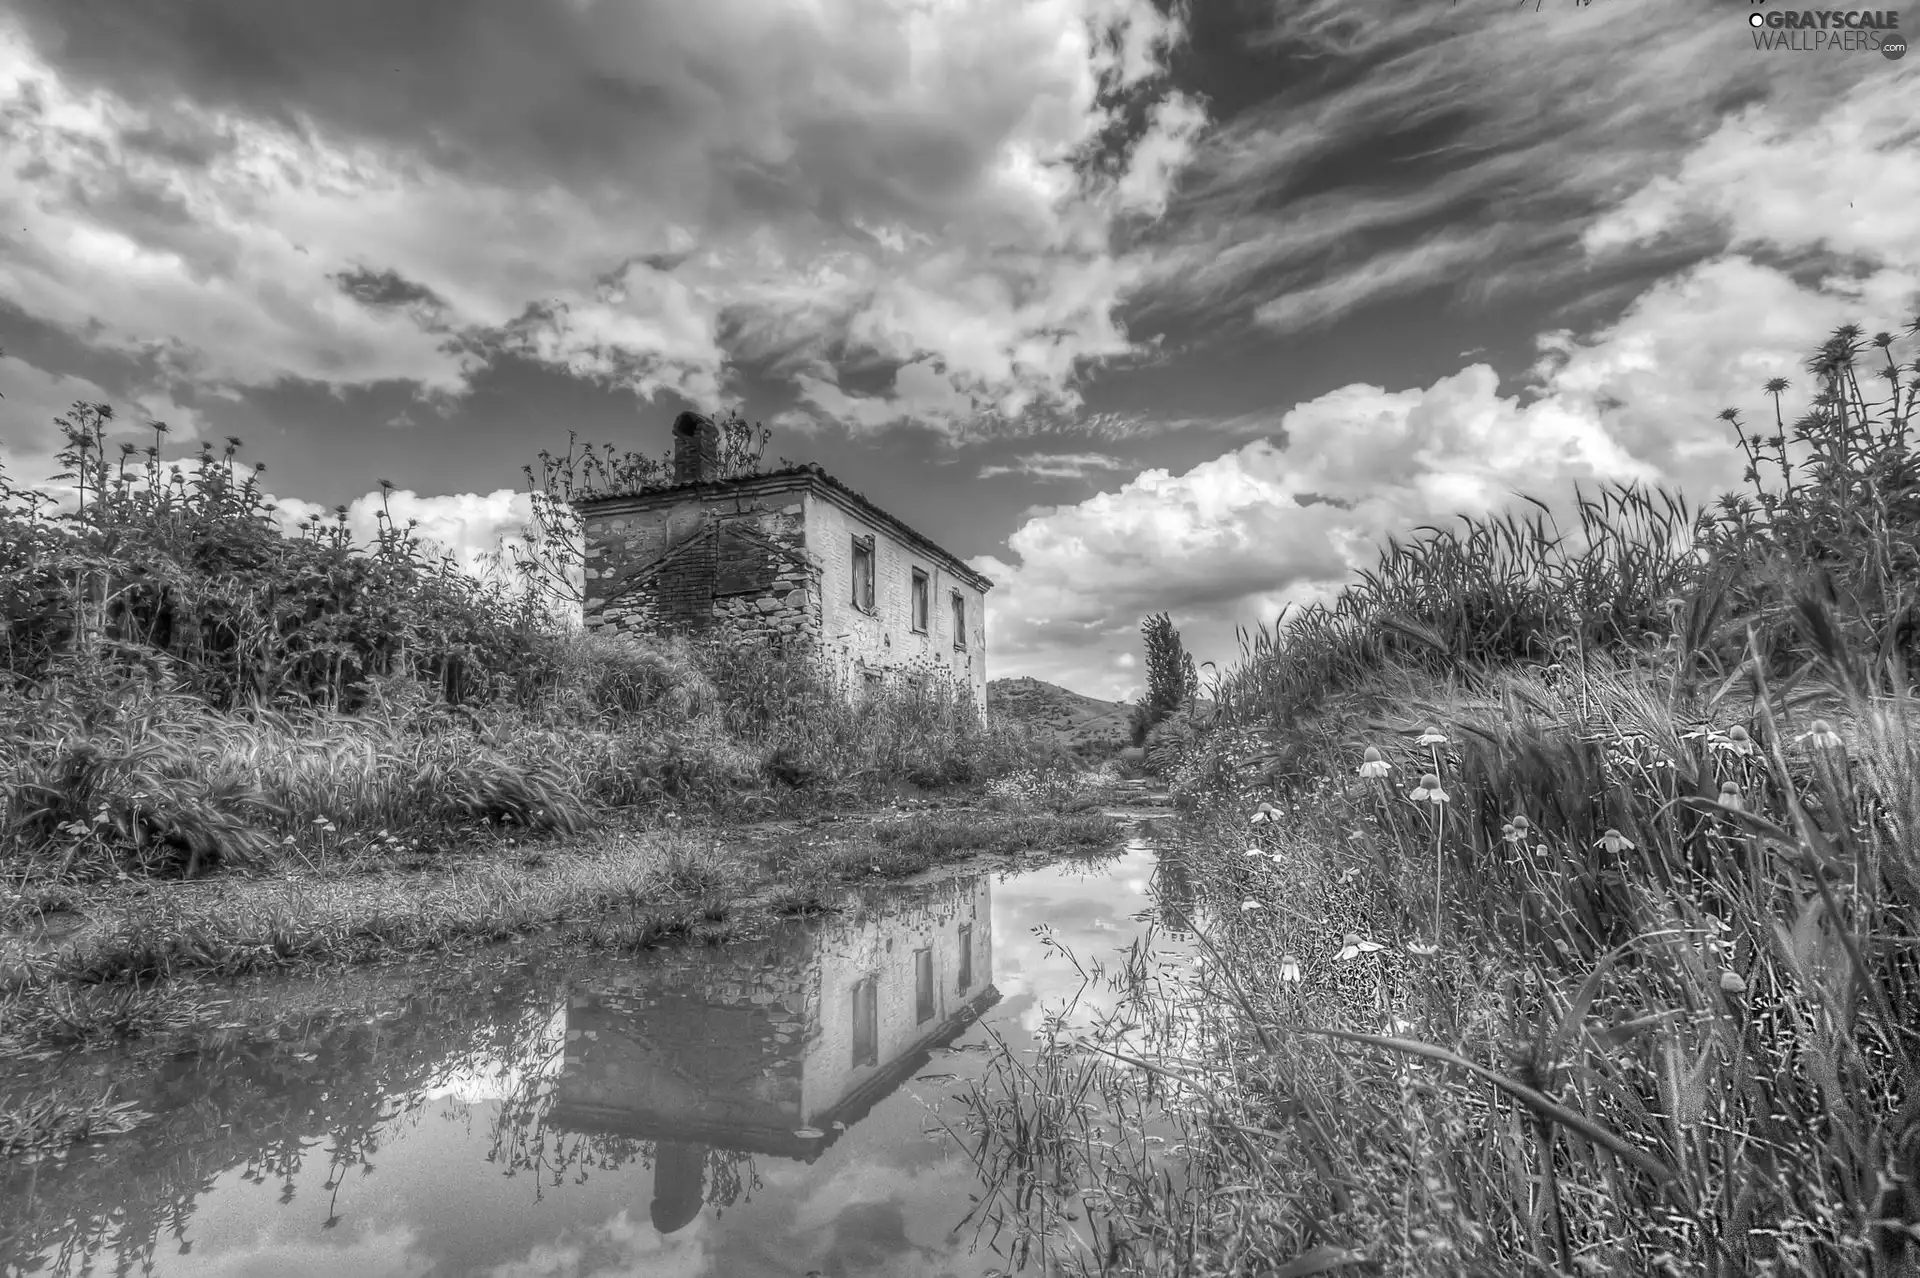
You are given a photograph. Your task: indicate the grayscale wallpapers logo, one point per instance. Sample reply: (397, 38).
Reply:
(1829, 31)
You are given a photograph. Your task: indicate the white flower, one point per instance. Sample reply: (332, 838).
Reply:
(1821, 736)
(1373, 764)
(1730, 796)
(1255, 852)
(1735, 741)
(1422, 948)
(1352, 945)
(1614, 841)
(1428, 791)
(1251, 904)
(1431, 737)
(1264, 814)
(1290, 969)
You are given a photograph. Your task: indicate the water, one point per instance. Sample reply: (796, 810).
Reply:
(770, 1107)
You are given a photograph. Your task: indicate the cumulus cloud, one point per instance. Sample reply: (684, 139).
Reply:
(1229, 542)
(640, 195)
(469, 528)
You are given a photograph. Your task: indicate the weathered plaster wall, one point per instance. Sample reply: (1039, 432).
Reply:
(720, 558)
(883, 946)
(885, 640)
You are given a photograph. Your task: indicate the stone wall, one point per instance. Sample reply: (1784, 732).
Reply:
(722, 560)
(715, 1037)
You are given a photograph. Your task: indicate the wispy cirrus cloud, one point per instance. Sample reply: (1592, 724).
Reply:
(1056, 466)
(1468, 146)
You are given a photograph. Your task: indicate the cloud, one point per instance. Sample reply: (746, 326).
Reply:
(468, 527)
(34, 397)
(1233, 539)
(642, 195)
(1469, 147)
(1046, 466)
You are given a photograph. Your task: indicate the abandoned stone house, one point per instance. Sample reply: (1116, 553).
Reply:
(793, 558)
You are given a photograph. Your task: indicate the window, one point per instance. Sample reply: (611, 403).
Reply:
(863, 573)
(920, 593)
(922, 986)
(866, 1023)
(966, 958)
(959, 620)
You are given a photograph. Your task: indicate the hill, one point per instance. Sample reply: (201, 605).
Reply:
(1085, 725)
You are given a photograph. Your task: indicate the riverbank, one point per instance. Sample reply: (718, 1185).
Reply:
(97, 970)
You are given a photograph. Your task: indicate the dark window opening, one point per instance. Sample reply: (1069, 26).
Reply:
(966, 958)
(959, 620)
(863, 573)
(866, 1022)
(920, 593)
(922, 986)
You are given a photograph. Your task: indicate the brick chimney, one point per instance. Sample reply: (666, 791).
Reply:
(696, 449)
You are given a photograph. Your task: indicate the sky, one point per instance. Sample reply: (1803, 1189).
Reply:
(1135, 306)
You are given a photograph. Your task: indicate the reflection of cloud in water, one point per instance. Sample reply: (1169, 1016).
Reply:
(389, 1253)
(1096, 923)
(491, 1074)
(619, 1248)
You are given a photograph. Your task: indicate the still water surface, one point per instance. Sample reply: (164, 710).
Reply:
(775, 1106)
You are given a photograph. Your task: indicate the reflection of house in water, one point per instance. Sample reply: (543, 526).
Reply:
(773, 1047)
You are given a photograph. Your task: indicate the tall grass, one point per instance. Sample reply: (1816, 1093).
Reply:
(183, 687)
(1585, 934)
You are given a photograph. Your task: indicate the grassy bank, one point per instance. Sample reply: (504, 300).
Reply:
(1560, 900)
(188, 687)
(103, 981)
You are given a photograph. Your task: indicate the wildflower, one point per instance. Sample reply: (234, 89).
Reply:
(1730, 796)
(1251, 904)
(1290, 969)
(1432, 737)
(1733, 983)
(1736, 741)
(1422, 948)
(1264, 814)
(1373, 765)
(1352, 945)
(1822, 736)
(1614, 841)
(1428, 791)
(1255, 852)
(1517, 830)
